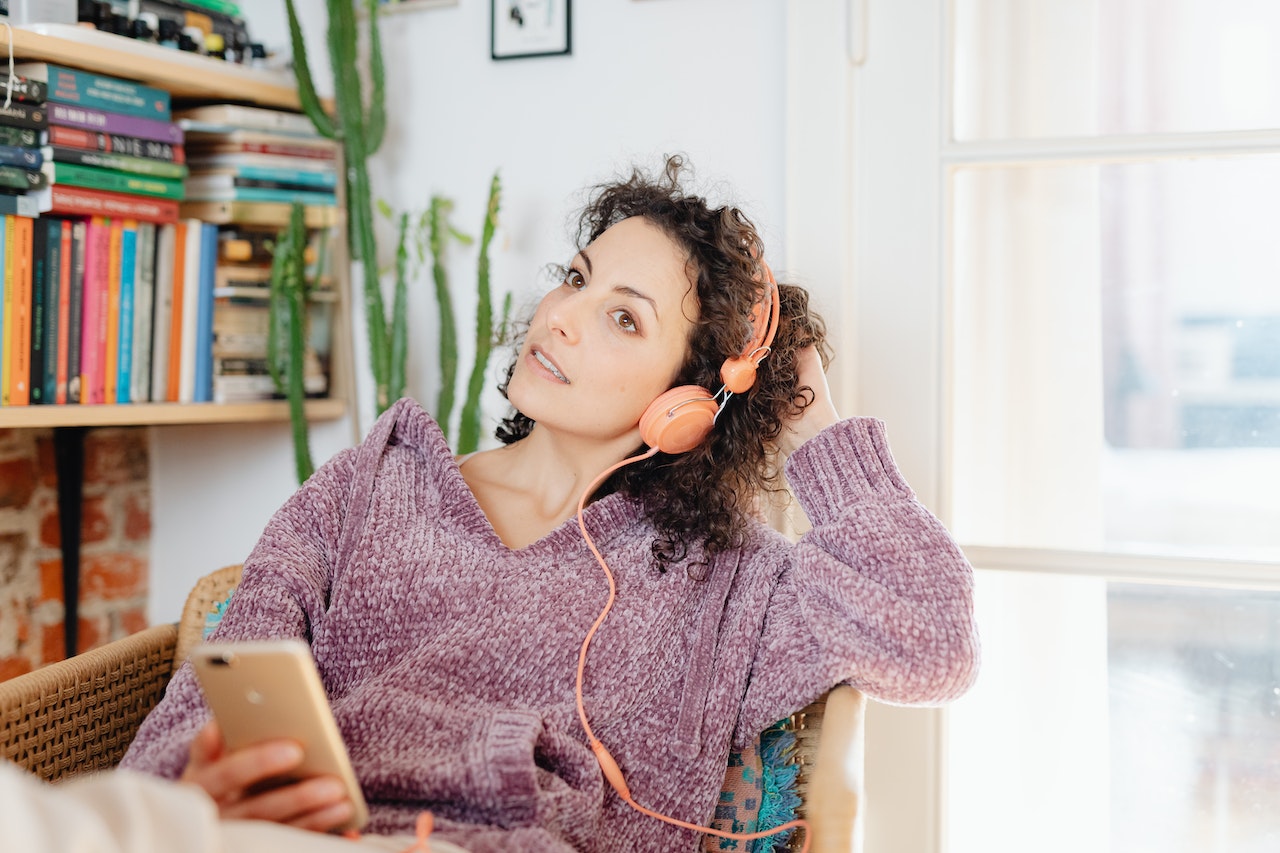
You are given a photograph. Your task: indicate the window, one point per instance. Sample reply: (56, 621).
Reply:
(1068, 310)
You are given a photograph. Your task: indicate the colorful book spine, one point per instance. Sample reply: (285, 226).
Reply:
(162, 322)
(25, 89)
(111, 326)
(116, 182)
(83, 201)
(119, 162)
(62, 361)
(204, 317)
(75, 323)
(258, 194)
(104, 122)
(97, 236)
(22, 180)
(99, 91)
(128, 307)
(40, 313)
(29, 116)
(173, 390)
(115, 143)
(23, 137)
(20, 378)
(143, 304)
(19, 204)
(6, 307)
(190, 311)
(23, 158)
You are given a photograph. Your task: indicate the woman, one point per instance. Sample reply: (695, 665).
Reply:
(447, 602)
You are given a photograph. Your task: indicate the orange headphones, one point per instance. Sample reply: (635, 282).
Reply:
(676, 422)
(679, 419)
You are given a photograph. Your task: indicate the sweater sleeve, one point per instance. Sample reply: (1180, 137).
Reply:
(877, 594)
(282, 594)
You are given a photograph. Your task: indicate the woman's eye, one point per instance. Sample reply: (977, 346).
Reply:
(624, 320)
(573, 278)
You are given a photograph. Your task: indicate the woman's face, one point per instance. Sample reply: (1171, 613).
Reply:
(610, 338)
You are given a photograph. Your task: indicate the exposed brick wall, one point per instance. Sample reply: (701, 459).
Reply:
(114, 551)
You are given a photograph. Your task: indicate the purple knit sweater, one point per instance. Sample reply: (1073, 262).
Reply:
(449, 658)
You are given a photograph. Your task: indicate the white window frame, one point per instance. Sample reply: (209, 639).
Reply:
(876, 258)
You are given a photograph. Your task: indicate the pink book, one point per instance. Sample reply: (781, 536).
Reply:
(92, 372)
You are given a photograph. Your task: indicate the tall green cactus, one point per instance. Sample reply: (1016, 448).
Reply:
(359, 131)
(438, 233)
(469, 425)
(287, 332)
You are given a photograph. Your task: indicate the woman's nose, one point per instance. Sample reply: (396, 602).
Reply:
(562, 318)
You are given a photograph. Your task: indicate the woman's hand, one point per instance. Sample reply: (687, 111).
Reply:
(821, 413)
(318, 804)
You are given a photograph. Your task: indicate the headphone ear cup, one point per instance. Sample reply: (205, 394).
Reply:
(679, 420)
(738, 374)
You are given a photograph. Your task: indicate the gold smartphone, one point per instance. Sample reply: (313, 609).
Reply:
(267, 689)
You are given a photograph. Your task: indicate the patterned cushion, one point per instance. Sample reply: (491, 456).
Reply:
(759, 785)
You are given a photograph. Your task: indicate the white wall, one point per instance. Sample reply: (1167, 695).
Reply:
(646, 77)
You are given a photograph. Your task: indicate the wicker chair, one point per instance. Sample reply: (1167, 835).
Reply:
(79, 715)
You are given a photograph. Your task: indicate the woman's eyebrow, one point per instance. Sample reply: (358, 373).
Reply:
(627, 290)
(585, 259)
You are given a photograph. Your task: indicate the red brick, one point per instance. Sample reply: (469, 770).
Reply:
(13, 666)
(45, 459)
(24, 627)
(95, 521)
(51, 643)
(133, 620)
(116, 456)
(137, 517)
(90, 634)
(112, 576)
(51, 580)
(18, 481)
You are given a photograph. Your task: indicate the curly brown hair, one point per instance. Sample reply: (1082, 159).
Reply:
(705, 496)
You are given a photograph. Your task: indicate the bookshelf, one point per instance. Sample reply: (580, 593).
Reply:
(189, 78)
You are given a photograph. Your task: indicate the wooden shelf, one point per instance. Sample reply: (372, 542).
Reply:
(187, 76)
(160, 414)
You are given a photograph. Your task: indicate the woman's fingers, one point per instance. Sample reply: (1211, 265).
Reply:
(318, 804)
(227, 778)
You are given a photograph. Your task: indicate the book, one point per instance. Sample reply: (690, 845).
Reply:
(190, 310)
(173, 390)
(23, 158)
(94, 309)
(69, 200)
(200, 161)
(25, 89)
(116, 143)
(118, 162)
(99, 91)
(203, 392)
(231, 177)
(245, 144)
(128, 310)
(22, 180)
(75, 323)
(216, 117)
(113, 181)
(259, 194)
(29, 116)
(62, 360)
(143, 303)
(39, 310)
(20, 378)
(162, 321)
(6, 307)
(111, 323)
(105, 122)
(19, 204)
(23, 137)
(275, 214)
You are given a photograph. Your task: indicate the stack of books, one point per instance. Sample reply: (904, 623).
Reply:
(113, 149)
(241, 315)
(22, 133)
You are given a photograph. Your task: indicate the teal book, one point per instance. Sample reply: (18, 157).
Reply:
(98, 91)
(128, 267)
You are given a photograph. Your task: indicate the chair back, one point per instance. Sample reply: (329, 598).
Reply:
(209, 591)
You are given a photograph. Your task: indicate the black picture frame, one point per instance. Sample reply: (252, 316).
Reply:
(519, 29)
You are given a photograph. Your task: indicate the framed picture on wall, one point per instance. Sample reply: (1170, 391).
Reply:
(522, 28)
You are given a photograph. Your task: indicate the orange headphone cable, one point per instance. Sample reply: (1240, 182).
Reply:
(608, 765)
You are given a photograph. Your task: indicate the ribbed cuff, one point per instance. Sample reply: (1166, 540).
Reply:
(847, 459)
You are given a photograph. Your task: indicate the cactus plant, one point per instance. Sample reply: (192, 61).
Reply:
(286, 335)
(469, 424)
(359, 130)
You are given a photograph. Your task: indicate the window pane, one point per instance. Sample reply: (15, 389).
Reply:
(1116, 358)
(1120, 718)
(1062, 68)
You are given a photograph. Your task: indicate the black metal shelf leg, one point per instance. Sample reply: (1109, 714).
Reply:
(68, 458)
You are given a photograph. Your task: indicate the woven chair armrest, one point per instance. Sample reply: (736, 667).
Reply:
(80, 715)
